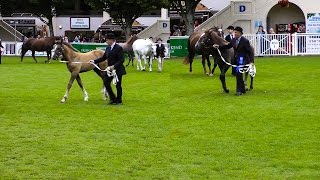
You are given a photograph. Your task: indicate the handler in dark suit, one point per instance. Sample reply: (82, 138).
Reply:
(160, 50)
(243, 55)
(228, 38)
(115, 57)
(1, 50)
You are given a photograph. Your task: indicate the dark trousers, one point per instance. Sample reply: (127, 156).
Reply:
(240, 83)
(0, 57)
(107, 84)
(233, 70)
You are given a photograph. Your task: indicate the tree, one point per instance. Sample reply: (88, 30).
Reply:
(186, 9)
(125, 12)
(43, 9)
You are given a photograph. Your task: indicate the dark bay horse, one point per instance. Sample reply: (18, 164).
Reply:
(206, 41)
(204, 51)
(42, 44)
(225, 57)
(127, 48)
(77, 62)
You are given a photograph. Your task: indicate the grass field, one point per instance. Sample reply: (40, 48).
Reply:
(173, 125)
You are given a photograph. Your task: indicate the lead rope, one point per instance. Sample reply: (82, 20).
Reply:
(250, 68)
(110, 73)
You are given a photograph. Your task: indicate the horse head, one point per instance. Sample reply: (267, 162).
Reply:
(57, 51)
(209, 38)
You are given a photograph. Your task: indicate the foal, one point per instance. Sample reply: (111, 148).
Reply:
(77, 63)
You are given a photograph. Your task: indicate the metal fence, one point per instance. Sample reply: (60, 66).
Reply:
(264, 45)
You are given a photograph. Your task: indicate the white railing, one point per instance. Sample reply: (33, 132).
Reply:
(264, 45)
(11, 30)
(270, 44)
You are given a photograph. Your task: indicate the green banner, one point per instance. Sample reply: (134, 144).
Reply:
(86, 47)
(178, 46)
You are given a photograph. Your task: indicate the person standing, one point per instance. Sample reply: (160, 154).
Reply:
(228, 38)
(1, 50)
(261, 40)
(114, 55)
(160, 50)
(243, 55)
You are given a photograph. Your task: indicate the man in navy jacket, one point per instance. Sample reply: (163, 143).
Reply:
(114, 55)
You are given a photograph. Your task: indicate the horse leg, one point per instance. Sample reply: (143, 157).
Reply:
(130, 57)
(145, 62)
(251, 83)
(209, 65)
(72, 77)
(23, 52)
(103, 90)
(214, 66)
(191, 56)
(150, 59)
(33, 53)
(224, 69)
(245, 81)
(139, 66)
(48, 56)
(204, 64)
(85, 94)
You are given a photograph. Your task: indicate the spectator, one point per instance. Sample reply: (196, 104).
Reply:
(271, 31)
(301, 39)
(177, 31)
(196, 23)
(261, 40)
(229, 38)
(65, 39)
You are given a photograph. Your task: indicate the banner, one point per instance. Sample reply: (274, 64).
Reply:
(179, 46)
(313, 23)
(86, 47)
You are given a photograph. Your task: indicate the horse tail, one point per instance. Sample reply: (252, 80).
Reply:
(187, 58)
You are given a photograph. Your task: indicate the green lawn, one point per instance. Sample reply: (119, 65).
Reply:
(173, 125)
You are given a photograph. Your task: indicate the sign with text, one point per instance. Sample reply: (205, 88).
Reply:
(80, 23)
(313, 23)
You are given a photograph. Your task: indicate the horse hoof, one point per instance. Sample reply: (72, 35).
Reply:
(226, 91)
(210, 75)
(63, 101)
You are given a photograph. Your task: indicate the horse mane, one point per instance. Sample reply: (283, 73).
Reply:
(214, 33)
(70, 46)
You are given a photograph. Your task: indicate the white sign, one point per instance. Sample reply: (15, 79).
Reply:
(80, 23)
(313, 23)
(274, 44)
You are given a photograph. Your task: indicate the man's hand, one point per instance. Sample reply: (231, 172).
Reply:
(215, 46)
(91, 62)
(110, 68)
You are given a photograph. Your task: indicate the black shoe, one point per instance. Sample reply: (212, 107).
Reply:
(111, 102)
(119, 102)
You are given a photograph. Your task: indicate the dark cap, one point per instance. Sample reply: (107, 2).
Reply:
(159, 39)
(239, 29)
(110, 36)
(230, 27)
